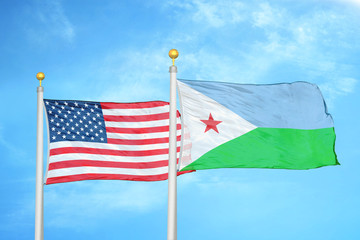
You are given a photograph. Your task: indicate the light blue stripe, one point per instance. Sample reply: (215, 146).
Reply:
(298, 105)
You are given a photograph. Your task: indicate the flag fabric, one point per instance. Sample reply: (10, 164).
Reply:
(104, 140)
(231, 125)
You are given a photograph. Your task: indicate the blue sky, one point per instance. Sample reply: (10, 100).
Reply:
(117, 51)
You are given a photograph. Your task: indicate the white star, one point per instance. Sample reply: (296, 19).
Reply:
(66, 103)
(80, 121)
(71, 120)
(82, 109)
(72, 128)
(76, 104)
(63, 128)
(68, 111)
(88, 114)
(62, 107)
(56, 115)
(53, 129)
(75, 116)
(94, 118)
(58, 132)
(98, 115)
(86, 125)
(90, 122)
(56, 103)
(102, 139)
(86, 105)
(47, 103)
(92, 138)
(72, 108)
(96, 106)
(50, 112)
(73, 136)
(53, 137)
(99, 123)
(53, 107)
(84, 117)
(78, 112)
(58, 124)
(63, 136)
(91, 130)
(92, 110)
(67, 124)
(78, 133)
(82, 129)
(68, 132)
(82, 137)
(87, 134)
(96, 134)
(61, 120)
(59, 111)
(76, 124)
(101, 131)
(95, 126)
(52, 120)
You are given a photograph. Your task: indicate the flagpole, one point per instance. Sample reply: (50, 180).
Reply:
(39, 192)
(172, 205)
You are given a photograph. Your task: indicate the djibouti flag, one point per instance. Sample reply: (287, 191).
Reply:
(229, 125)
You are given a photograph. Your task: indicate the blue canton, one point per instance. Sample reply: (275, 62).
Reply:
(75, 121)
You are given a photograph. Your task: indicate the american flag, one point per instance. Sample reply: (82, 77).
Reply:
(105, 140)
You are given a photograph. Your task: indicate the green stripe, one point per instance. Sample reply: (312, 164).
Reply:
(273, 148)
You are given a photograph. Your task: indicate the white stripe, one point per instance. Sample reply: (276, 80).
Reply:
(99, 157)
(136, 111)
(119, 147)
(100, 170)
(157, 123)
(140, 136)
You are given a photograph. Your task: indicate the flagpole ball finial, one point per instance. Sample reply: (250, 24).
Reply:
(173, 54)
(40, 76)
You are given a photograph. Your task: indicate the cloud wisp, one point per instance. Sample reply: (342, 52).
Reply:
(52, 23)
(72, 205)
(268, 41)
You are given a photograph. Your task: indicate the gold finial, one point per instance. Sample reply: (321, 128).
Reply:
(40, 76)
(173, 53)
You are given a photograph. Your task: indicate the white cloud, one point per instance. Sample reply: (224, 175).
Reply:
(308, 46)
(53, 23)
(353, 2)
(74, 204)
(336, 88)
(13, 151)
(21, 209)
(267, 16)
(135, 75)
(211, 13)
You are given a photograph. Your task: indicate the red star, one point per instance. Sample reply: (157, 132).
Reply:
(211, 124)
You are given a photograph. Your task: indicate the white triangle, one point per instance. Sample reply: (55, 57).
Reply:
(196, 107)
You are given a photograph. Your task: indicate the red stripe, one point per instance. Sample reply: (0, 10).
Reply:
(109, 164)
(94, 176)
(140, 141)
(141, 130)
(187, 146)
(65, 150)
(138, 118)
(112, 105)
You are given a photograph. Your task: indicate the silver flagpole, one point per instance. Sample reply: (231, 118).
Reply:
(39, 192)
(172, 206)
